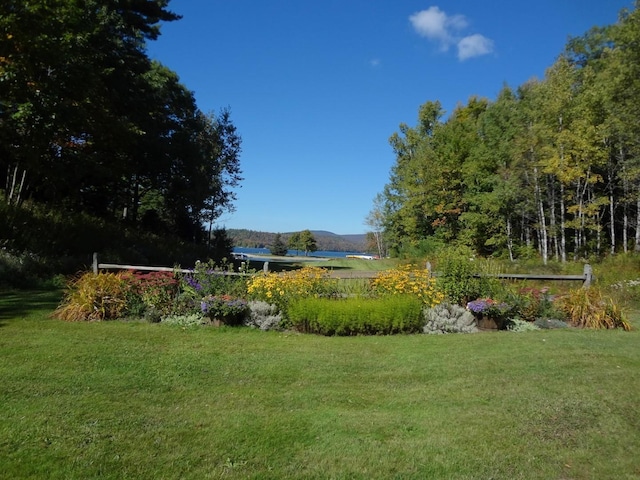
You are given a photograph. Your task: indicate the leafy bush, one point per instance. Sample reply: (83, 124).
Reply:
(356, 316)
(64, 241)
(627, 290)
(90, 296)
(449, 318)
(549, 323)
(517, 325)
(190, 320)
(224, 306)
(263, 315)
(209, 278)
(534, 303)
(589, 308)
(17, 270)
(457, 277)
(282, 288)
(408, 280)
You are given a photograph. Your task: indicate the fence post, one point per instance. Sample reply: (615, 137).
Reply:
(95, 263)
(265, 267)
(588, 276)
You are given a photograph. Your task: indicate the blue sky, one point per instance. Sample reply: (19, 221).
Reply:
(316, 88)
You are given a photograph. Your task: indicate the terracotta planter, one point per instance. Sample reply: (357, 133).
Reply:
(228, 320)
(486, 323)
(490, 323)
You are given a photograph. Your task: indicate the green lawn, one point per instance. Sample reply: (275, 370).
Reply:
(136, 400)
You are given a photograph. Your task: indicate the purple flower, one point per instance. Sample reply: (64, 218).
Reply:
(488, 306)
(478, 306)
(223, 305)
(193, 283)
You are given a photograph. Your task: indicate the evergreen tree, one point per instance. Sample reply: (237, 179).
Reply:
(278, 248)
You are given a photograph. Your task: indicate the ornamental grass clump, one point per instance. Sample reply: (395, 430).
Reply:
(408, 280)
(356, 316)
(92, 297)
(281, 288)
(589, 308)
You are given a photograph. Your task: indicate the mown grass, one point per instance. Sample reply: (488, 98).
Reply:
(137, 400)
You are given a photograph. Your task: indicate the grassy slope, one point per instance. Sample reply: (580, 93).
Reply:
(136, 400)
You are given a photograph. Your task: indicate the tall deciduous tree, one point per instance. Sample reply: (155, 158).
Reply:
(376, 222)
(89, 122)
(307, 242)
(555, 167)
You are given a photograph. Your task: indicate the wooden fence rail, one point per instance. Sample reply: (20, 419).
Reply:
(96, 267)
(587, 277)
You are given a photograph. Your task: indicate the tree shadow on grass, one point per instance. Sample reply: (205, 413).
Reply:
(285, 266)
(21, 303)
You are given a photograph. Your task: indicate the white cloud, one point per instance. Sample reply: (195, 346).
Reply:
(435, 24)
(438, 26)
(375, 62)
(474, 46)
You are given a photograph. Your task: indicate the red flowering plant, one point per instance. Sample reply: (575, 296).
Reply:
(156, 291)
(535, 303)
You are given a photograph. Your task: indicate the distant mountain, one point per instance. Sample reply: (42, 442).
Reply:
(325, 240)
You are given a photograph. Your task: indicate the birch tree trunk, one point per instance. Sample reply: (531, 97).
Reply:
(612, 219)
(637, 245)
(542, 221)
(563, 233)
(509, 240)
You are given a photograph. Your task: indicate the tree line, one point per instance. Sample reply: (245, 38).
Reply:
(324, 241)
(550, 168)
(89, 123)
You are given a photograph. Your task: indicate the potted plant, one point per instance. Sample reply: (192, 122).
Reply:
(490, 314)
(224, 309)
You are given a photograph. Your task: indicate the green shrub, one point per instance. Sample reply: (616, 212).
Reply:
(517, 325)
(457, 277)
(550, 323)
(627, 291)
(90, 296)
(209, 278)
(532, 303)
(189, 320)
(356, 316)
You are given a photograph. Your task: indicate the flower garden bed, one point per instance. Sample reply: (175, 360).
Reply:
(309, 300)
